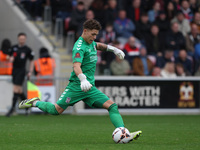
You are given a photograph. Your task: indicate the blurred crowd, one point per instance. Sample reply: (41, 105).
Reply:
(159, 37)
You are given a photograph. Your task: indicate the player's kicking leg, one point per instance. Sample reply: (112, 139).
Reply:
(28, 103)
(135, 135)
(44, 106)
(117, 120)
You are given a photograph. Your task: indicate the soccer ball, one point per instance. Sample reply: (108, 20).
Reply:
(121, 135)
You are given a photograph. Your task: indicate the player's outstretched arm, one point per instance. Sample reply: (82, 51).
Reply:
(85, 84)
(116, 51)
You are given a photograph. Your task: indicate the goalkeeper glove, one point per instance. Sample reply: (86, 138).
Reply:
(85, 84)
(116, 51)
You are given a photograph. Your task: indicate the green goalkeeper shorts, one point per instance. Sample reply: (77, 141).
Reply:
(74, 94)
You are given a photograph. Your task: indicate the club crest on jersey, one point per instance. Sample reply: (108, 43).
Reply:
(77, 55)
(68, 100)
(22, 55)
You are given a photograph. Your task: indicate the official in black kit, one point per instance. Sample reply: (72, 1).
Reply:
(19, 54)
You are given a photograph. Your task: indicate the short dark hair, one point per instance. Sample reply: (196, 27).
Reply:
(80, 3)
(92, 24)
(21, 34)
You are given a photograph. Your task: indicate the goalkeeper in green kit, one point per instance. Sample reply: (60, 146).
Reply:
(82, 83)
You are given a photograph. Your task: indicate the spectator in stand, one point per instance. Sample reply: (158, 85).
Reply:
(197, 73)
(5, 64)
(163, 23)
(155, 42)
(111, 12)
(193, 6)
(120, 67)
(170, 11)
(183, 59)
(184, 24)
(131, 49)
(197, 54)
(169, 70)
(180, 70)
(123, 27)
(61, 8)
(176, 4)
(196, 20)
(153, 14)
(33, 7)
(185, 8)
(147, 5)
(97, 6)
(77, 17)
(196, 57)
(162, 3)
(107, 35)
(106, 59)
(192, 39)
(168, 56)
(142, 65)
(143, 27)
(175, 39)
(89, 15)
(134, 11)
(156, 72)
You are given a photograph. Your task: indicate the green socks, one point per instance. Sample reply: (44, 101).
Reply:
(115, 117)
(47, 107)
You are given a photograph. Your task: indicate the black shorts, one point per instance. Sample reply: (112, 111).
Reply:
(18, 75)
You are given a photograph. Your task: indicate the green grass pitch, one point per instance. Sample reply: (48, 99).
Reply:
(71, 132)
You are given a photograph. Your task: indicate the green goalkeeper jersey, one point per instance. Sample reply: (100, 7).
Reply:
(86, 54)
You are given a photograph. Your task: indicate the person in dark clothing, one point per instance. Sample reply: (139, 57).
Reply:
(77, 16)
(143, 27)
(88, 15)
(175, 39)
(97, 7)
(163, 23)
(34, 8)
(106, 59)
(170, 11)
(61, 8)
(183, 59)
(111, 12)
(147, 4)
(194, 6)
(19, 54)
(134, 11)
(155, 42)
(167, 57)
(192, 39)
(5, 46)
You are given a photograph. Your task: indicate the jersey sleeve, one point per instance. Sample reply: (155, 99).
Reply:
(11, 51)
(31, 54)
(77, 55)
